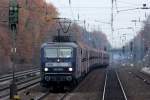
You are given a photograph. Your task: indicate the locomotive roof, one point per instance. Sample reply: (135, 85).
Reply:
(71, 44)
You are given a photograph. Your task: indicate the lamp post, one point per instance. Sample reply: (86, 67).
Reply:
(13, 21)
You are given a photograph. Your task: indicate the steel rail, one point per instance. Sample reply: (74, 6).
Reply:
(42, 96)
(19, 74)
(23, 85)
(141, 77)
(64, 96)
(120, 85)
(125, 96)
(21, 82)
(104, 90)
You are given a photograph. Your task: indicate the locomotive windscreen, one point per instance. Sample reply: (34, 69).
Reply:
(58, 52)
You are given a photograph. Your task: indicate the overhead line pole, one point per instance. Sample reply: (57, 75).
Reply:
(112, 17)
(112, 20)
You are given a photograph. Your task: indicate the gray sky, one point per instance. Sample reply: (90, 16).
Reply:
(95, 12)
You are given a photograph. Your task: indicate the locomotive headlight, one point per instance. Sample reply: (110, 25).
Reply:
(45, 69)
(70, 69)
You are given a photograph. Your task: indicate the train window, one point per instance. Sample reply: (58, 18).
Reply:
(65, 52)
(58, 52)
(50, 52)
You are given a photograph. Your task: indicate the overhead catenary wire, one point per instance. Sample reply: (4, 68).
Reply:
(127, 2)
(128, 9)
(141, 8)
(91, 7)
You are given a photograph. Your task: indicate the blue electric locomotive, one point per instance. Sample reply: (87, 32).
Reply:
(58, 63)
(65, 63)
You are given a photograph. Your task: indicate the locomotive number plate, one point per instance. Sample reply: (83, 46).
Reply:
(63, 64)
(58, 69)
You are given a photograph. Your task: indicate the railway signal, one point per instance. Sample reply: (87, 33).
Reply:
(13, 21)
(13, 14)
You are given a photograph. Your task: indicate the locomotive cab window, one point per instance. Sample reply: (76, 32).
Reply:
(65, 52)
(51, 52)
(58, 52)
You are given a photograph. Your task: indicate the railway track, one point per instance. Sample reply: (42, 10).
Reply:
(21, 87)
(77, 92)
(24, 80)
(19, 74)
(57, 97)
(113, 89)
(42, 96)
(64, 96)
(142, 76)
(35, 92)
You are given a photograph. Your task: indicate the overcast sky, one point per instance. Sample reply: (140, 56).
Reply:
(97, 14)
